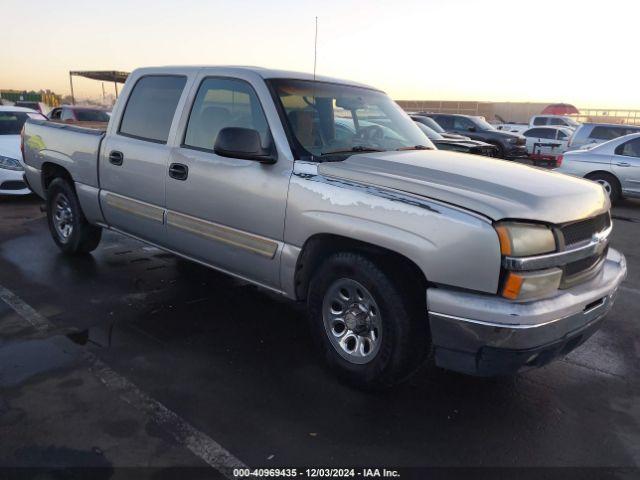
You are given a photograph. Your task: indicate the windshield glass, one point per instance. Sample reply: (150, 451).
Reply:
(431, 123)
(11, 122)
(431, 134)
(329, 119)
(92, 116)
(482, 123)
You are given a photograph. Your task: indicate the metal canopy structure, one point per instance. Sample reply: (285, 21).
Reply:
(101, 75)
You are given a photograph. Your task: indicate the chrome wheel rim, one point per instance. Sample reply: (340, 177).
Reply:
(606, 185)
(62, 217)
(352, 321)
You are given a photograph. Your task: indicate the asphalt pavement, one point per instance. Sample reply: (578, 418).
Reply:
(130, 357)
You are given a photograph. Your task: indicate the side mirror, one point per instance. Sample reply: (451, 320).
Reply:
(472, 129)
(244, 143)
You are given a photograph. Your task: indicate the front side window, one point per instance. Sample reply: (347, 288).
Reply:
(67, 114)
(55, 114)
(222, 103)
(562, 135)
(329, 121)
(151, 106)
(462, 123)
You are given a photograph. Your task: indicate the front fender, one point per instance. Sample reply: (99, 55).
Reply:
(451, 246)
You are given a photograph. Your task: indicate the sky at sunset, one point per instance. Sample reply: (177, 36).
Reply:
(581, 52)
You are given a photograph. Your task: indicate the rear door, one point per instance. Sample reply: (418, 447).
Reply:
(228, 212)
(626, 165)
(134, 157)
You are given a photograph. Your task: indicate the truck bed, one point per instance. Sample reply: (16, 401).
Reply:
(73, 147)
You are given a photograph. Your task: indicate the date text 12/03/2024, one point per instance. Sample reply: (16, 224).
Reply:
(316, 473)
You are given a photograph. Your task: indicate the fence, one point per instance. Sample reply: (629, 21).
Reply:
(517, 111)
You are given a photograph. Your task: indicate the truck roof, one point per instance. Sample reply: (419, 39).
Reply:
(263, 72)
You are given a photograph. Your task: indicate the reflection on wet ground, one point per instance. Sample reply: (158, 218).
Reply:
(237, 363)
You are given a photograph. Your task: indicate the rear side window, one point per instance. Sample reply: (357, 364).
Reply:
(607, 132)
(548, 133)
(151, 107)
(222, 103)
(540, 121)
(630, 149)
(444, 122)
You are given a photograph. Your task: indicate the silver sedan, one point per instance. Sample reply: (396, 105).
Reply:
(614, 164)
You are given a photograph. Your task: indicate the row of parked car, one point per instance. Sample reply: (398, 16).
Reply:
(608, 154)
(13, 117)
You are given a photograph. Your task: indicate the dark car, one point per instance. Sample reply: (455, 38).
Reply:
(73, 114)
(433, 125)
(510, 145)
(458, 145)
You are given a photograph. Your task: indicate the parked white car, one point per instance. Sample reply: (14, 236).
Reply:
(11, 169)
(614, 164)
(540, 121)
(551, 141)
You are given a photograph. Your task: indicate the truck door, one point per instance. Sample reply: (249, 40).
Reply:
(134, 156)
(227, 212)
(626, 165)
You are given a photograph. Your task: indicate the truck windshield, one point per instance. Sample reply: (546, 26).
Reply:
(331, 121)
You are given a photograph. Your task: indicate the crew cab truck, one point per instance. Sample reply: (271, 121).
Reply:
(397, 249)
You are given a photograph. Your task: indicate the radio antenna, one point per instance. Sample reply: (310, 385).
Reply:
(315, 51)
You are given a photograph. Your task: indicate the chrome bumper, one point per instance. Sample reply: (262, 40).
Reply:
(469, 328)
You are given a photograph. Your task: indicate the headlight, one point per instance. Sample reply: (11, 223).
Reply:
(528, 285)
(9, 163)
(525, 239)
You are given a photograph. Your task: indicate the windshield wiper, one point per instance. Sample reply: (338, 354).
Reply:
(415, 147)
(357, 148)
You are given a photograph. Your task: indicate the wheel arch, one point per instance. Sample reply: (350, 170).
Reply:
(51, 171)
(319, 246)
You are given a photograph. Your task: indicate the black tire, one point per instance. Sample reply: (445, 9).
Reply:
(404, 340)
(499, 150)
(82, 237)
(610, 183)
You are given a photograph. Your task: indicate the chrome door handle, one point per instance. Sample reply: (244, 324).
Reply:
(623, 164)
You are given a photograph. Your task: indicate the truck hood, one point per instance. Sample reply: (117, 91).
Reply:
(497, 189)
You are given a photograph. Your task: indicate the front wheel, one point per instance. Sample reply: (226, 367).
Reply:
(369, 331)
(610, 184)
(69, 228)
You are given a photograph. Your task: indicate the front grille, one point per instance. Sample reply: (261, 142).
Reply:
(579, 266)
(575, 233)
(13, 185)
(583, 230)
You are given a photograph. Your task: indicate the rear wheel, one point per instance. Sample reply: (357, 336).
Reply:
(369, 331)
(69, 228)
(610, 184)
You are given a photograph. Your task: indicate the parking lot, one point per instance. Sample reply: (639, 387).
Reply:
(132, 357)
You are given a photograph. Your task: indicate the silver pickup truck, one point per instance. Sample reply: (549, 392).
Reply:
(326, 192)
